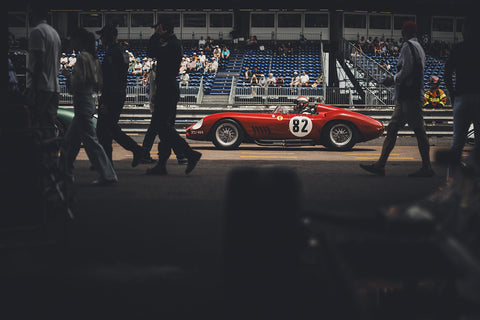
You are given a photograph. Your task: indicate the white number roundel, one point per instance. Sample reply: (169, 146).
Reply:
(300, 126)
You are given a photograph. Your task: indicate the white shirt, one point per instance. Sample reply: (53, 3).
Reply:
(45, 39)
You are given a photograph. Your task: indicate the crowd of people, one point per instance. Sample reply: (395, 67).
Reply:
(255, 78)
(390, 47)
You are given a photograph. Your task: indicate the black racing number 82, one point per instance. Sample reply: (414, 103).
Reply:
(296, 125)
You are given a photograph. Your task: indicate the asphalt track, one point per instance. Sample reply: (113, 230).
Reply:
(151, 246)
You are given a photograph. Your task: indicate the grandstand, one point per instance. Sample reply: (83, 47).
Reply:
(234, 28)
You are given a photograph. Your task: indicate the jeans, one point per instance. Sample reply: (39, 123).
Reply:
(466, 110)
(82, 129)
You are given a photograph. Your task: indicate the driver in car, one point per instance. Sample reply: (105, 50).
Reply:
(302, 106)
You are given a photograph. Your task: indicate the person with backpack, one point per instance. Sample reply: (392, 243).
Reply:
(86, 77)
(409, 97)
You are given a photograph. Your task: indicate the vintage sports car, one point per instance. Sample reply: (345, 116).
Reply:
(335, 128)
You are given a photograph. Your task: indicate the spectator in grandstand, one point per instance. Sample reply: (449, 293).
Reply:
(72, 60)
(202, 58)
(295, 80)
(408, 97)
(304, 79)
(145, 77)
(198, 66)
(435, 97)
(319, 81)
(256, 72)
(377, 50)
(86, 78)
(279, 82)
(271, 81)
(464, 93)
(42, 72)
(247, 75)
(289, 48)
(213, 66)
(63, 61)
(262, 82)
(225, 53)
(254, 80)
(201, 43)
(217, 52)
(191, 64)
(114, 69)
(165, 47)
(362, 43)
(137, 68)
(184, 78)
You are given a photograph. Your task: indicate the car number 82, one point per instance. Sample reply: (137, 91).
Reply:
(300, 126)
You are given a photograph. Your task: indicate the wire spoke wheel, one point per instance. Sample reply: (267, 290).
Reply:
(227, 135)
(341, 134)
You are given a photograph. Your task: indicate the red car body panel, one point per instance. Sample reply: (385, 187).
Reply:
(278, 125)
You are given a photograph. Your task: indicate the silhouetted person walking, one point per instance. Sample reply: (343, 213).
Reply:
(409, 100)
(86, 77)
(167, 50)
(42, 71)
(465, 94)
(115, 70)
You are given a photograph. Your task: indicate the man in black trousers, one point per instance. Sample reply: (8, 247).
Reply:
(115, 70)
(167, 50)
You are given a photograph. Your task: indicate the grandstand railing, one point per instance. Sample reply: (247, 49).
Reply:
(256, 95)
(139, 95)
(369, 73)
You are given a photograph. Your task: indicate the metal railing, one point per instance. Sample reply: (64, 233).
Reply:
(140, 95)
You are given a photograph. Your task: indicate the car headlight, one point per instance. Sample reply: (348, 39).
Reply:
(197, 125)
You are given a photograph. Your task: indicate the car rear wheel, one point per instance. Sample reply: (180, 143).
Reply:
(340, 135)
(227, 134)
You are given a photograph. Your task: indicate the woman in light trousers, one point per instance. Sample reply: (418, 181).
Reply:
(86, 77)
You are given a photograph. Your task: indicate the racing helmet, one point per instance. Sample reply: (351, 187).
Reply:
(302, 104)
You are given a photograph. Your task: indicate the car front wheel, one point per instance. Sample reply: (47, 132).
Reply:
(340, 136)
(227, 134)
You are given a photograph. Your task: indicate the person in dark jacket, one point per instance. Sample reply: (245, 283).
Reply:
(464, 92)
(114, 69)
(167, 50)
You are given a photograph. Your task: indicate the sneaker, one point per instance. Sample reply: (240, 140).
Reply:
(159, 170)
(192, 161)
(373, 168)
(422, 173)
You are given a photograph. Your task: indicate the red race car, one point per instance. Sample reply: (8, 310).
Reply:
(335, 128)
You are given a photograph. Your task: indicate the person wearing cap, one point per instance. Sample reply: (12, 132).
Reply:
(408, 97)
(435, 97)
(114, 91)
(167, 50)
